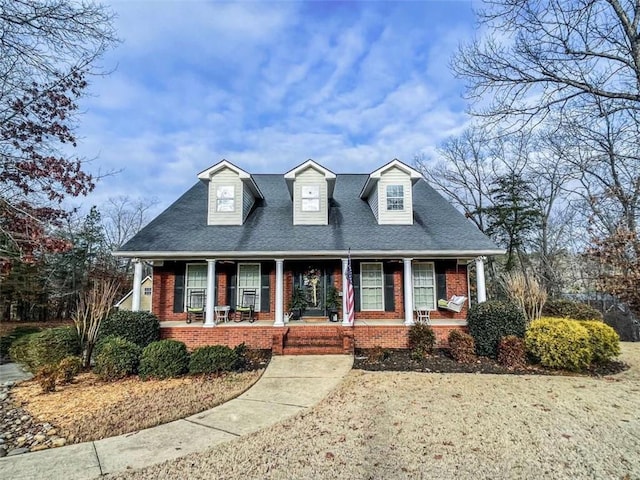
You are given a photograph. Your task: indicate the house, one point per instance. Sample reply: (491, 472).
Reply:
(145, 291)
(235, 232)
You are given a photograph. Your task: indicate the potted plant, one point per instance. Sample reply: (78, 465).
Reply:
(298, 303)
(333, 303)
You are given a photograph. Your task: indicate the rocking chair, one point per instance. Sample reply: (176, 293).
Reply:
(195, 306)
(455, 304)
(247, 309)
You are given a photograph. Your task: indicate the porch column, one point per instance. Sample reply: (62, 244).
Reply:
(137, 285)
(480, 286)
(279, 321)
(408, 291)
(345, 313)
(209, 308)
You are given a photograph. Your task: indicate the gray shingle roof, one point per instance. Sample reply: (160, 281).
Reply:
(182, 228)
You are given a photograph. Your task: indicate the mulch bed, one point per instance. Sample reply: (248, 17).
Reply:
(391, 360)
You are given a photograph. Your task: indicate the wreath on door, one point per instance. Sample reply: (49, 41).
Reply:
(311, 278)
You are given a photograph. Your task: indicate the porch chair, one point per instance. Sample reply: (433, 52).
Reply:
(195, 305)
(246, 310)
(423, 315)
(454, 304)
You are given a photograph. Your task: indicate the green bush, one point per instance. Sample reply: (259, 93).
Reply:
(422, 340)
(559, 343)
(68, 368)
(489, 321)
(605, 342)
(15, 334)
(461, 346)
(164, 359)
(570, 309)
(141, 328)
(511, 352)
(213, 359)
(117, 358)
(47, 347)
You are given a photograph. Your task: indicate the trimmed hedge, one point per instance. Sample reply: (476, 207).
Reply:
(18, 332)
(213, 359)
(45, 348)
(164, 359)
(117, 358)
(560, 343)
(141, 328)
(605, 342)
(461, 346)
(489, 321)
(422, 339)
(569, 309)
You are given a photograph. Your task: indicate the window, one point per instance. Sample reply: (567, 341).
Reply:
(395, 197)
(196, 282)
(147, 291)
(225, 198)
(371, 286)
(310, 198)
(249, 278)
(424, 286)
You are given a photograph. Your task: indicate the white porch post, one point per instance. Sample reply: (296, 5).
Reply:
(345, 319)
(408, 291)
(480, 286)
(279, 321)
(209, 309)
(137, 284)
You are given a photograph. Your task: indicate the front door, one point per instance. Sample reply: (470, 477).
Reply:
(312, 279)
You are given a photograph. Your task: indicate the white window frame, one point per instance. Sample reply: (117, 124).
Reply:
(258, 288)
(225, 198)
(394, 201)
(431, 307)
(310, 198)
(147, 289)
(188, 288)
(363, 287)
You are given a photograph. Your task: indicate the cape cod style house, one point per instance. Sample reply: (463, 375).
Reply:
(270, 248)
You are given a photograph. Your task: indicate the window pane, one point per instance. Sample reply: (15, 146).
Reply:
(197, 276)
(225, 195)
(395, 197)
(371, 286)
(310, 204)
(423, 285)
(249, 278)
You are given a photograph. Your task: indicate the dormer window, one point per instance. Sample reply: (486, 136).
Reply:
(395, 197)
(225, 198)
(310, 198)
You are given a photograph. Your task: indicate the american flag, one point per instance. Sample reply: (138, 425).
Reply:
(350, 297)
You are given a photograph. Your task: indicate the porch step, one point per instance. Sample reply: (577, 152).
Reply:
(320, 319)
(313, 350)
(315, 341)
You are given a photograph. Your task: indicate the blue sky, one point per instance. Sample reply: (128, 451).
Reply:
(268, 85)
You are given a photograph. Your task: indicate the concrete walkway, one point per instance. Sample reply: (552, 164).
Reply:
(12, 373)
(290, 385)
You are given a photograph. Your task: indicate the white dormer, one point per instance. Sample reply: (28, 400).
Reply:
(232, 193)
(310, 186)
(389, 193)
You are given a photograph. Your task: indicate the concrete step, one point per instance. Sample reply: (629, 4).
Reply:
(309, 350)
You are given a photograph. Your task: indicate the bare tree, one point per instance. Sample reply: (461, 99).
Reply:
(123, 217)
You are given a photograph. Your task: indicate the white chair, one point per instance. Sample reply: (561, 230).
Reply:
(423, 315)
(454, 304)
(222, 313)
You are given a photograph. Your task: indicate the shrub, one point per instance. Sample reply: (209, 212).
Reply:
(489, 321)
(117, 358)
(511, 352)
(422, 340)
(141, 328)
(18, 332)
(559, 343)
(605, 342)
(46, 348)
(378, 354)
(570, 309)
(46, 378)
(461, 346)
(68, 368)
(164, 359)
(213, 359)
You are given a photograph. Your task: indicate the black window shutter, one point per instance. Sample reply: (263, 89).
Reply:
(355, 269)
(178, 287)
(265, 286)
(441, 280)
(389, 297)
(232, 279)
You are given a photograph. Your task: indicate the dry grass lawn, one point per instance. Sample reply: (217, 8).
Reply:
(90, 409)
(386, 425)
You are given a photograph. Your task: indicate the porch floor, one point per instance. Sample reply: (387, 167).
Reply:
(303, 323)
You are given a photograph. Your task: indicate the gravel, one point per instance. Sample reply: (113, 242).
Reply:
(429, 426)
